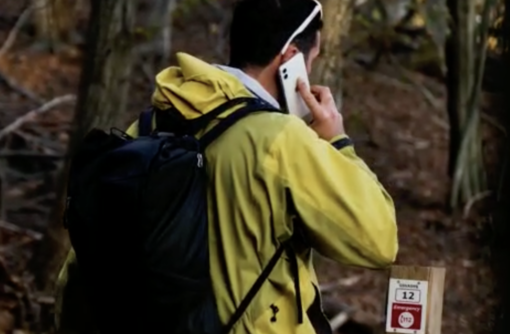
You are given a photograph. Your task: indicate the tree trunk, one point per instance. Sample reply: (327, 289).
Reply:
(327, 70)
(156, 49)
(466, 51)
(460, 63)
(452, 56)
(102, 99)
(162, 15)
(53, 21)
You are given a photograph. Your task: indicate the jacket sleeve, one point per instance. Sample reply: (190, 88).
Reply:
(346, 213)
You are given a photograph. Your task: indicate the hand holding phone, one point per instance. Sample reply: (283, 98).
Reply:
(327, 122)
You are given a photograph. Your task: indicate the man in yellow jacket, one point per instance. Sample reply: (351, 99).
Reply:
(262, 165)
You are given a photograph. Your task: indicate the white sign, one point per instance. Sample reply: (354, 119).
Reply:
(407, 306)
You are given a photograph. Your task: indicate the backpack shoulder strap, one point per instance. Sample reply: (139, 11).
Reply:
(168, 122)
(145, 122)
(252, 105)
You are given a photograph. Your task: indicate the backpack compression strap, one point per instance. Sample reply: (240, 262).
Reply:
(255, 288)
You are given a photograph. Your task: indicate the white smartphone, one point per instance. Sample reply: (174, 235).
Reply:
(289, 73)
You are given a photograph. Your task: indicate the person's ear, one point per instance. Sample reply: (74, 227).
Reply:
(291, 51)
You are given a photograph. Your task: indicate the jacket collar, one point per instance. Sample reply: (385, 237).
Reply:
(251, 84)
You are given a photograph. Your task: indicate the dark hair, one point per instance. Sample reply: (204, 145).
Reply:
(260, 28)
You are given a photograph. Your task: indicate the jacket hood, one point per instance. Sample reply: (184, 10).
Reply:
(195, 87)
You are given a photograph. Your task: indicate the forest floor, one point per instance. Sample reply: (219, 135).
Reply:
(400, 135)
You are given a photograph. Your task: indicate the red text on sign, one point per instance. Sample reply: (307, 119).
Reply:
(406, 316)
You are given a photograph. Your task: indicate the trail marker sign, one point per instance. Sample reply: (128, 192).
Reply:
(415, 300)
(407, 306)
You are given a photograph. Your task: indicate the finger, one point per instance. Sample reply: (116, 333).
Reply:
(322, 93)
(307, 96)
(318, 89)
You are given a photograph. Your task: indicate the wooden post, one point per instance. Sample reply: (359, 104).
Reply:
(415, 300)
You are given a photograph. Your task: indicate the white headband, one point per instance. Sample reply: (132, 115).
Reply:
(304, 25)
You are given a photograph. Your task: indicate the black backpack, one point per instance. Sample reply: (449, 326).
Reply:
(137, 219)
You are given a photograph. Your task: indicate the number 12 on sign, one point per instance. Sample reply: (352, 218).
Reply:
(407, 295)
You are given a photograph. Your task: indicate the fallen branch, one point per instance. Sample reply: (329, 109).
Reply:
(35, 205)
(5, 275)
(14, 247)
(425, 92)
(45, 299)
(18, 89)
(29, 154)
(33, 113)
(473, 200)
(340, 310)
(494, 122)
(17, 229)
(411, 86)
(38, 141)
(338, 321)
(23, 18)
(346, 282)
(22, 190)
(383, 77)
(147, 70)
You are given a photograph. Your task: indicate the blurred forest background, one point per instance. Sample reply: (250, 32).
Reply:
(422, 85)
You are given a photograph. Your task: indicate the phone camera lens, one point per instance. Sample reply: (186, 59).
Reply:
(284, 71)
(285, 76)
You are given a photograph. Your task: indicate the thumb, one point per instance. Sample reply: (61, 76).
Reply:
(306, 94)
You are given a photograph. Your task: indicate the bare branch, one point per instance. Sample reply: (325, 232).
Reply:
(33, 113)
(23, 18)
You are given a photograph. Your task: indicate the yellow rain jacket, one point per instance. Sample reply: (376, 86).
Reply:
(254, 166)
